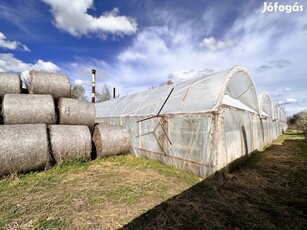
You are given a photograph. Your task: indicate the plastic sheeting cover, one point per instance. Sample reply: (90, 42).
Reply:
(265, 104)
(202, 94)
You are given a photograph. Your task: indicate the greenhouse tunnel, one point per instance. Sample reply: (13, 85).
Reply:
(206, 122)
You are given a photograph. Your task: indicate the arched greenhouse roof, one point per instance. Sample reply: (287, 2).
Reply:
(265, 104)
(204, 93)
(278, 113)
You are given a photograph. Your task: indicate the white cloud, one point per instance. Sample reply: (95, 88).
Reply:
(148, 44)
(291, 101)
(72, 17)
(11, 45)
(285, 90)
(257, 41)
(212, 44)
(178, 76)
(8, 63)
(181, 75)
(43, 65)
(82, 82)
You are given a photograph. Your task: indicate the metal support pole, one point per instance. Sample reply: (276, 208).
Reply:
(114, 95)
(93, 85)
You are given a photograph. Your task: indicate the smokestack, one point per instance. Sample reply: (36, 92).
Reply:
(93, 85)
(114, 92)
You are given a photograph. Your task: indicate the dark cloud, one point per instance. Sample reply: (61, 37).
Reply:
(208, 70)
(263, 68)
(281, 63)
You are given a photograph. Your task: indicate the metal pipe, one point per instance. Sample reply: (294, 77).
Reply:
(93, 85)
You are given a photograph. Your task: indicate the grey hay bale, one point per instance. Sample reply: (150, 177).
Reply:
(9, 83)
(70, 142)
(55, 84)
(111, 140)
(28, 109)
(23, 148)
(76, 112)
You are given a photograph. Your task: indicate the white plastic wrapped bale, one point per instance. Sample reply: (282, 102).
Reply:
(76, 112)
(70, 142)
(55, 84)
(23, 148)
(28, 109)
(9, 83)
(111, 140)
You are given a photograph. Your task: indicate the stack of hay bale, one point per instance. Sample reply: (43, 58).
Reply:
(43, 126)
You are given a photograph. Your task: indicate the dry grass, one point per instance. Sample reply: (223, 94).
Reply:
(102, 194)
(268, 192)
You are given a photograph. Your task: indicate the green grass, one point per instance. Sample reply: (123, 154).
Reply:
(289, 135)
(50, 223)
(256, 157)
(57, 198)
(146, 164)
(44, 178)
(114, 190)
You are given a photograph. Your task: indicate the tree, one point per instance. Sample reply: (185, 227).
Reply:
(291, 121)
(78, 91)
(299, 121)
(105, 94)
(168, 82)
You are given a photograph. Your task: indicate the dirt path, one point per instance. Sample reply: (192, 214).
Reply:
(269, 192)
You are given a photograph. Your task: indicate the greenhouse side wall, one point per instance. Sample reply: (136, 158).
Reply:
(181, 140)
(267, 133)
(241, 135)
(244, 132)
(199, 143)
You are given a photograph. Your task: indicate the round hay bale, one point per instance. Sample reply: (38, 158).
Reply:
(76, 112)
(55, 84)
(28, 109)
(23, 148)
(111, 140)
(70, 142)
(9, 83)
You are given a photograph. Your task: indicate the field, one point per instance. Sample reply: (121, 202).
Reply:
(268, 191)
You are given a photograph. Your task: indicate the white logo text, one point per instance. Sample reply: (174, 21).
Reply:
(275, 7)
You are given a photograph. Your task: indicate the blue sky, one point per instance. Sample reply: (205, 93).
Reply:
(136, 44)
